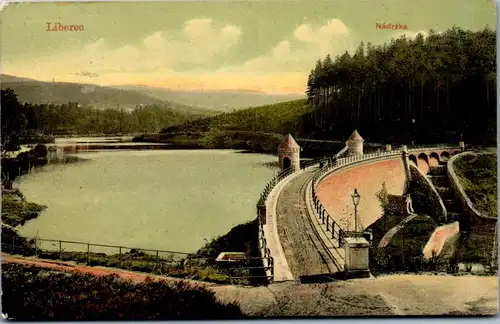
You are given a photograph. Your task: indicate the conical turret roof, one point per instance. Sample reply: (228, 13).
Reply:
(355, 136)
(288, 142)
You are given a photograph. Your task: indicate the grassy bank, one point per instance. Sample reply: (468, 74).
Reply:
(405, 250)
(16, 210)
(478, 176)
(32, 293)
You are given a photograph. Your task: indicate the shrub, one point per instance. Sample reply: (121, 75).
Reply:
(405, 251)
(16, 211)
(31, 293)
(382, 196)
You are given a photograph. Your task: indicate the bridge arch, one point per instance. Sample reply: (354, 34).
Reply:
(423, 163)
(455, 152)
(445, 156)
(423, 156)
(434, 159)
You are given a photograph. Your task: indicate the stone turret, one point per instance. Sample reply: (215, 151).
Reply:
(355, 144)
(289, 154)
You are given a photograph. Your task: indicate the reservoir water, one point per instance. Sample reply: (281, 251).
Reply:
(166, 199)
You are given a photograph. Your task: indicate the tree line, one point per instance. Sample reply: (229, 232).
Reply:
(28, 120)
(427, 89)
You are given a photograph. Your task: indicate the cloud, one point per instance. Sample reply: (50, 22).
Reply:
(198, 42)
(299, 51)
(155, 59)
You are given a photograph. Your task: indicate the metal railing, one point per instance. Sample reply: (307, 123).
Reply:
(88, 252)
(273, 183)
(267, 258)
(431, 146)
(162, 262)
(324, 159)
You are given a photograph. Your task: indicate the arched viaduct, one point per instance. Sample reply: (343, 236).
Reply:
(426, 158)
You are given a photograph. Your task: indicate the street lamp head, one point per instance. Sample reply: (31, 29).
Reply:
(355, 197)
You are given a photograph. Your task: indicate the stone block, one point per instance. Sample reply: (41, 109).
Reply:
(356, 257)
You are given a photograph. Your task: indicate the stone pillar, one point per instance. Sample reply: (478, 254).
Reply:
(406, 165)
(357, 257)
(388, 147)
(461, 144)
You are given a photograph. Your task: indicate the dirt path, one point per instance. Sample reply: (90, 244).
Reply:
(96, 271)
(436, 294)
(397, 295)
(304, 253)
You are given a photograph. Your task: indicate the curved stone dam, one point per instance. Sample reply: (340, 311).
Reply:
(335, 190)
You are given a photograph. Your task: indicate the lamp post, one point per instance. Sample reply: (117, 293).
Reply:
(355, 199)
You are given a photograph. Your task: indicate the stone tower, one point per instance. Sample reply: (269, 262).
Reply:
(355, 144)
(289, 154)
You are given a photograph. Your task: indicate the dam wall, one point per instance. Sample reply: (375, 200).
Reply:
(334, 191)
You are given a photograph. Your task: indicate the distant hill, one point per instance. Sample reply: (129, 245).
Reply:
(223, 100)
(100, 97)
(257, 129)
(280, 118)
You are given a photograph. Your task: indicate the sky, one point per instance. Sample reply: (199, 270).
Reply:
(268, 46)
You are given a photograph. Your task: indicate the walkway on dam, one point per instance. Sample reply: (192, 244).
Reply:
(305, 254)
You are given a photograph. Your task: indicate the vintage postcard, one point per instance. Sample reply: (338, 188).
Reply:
(248, 159)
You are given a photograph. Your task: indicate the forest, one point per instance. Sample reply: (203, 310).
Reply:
(427, 89)
(26, 120)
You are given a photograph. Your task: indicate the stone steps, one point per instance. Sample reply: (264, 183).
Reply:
(437, 170)
(439, 178)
